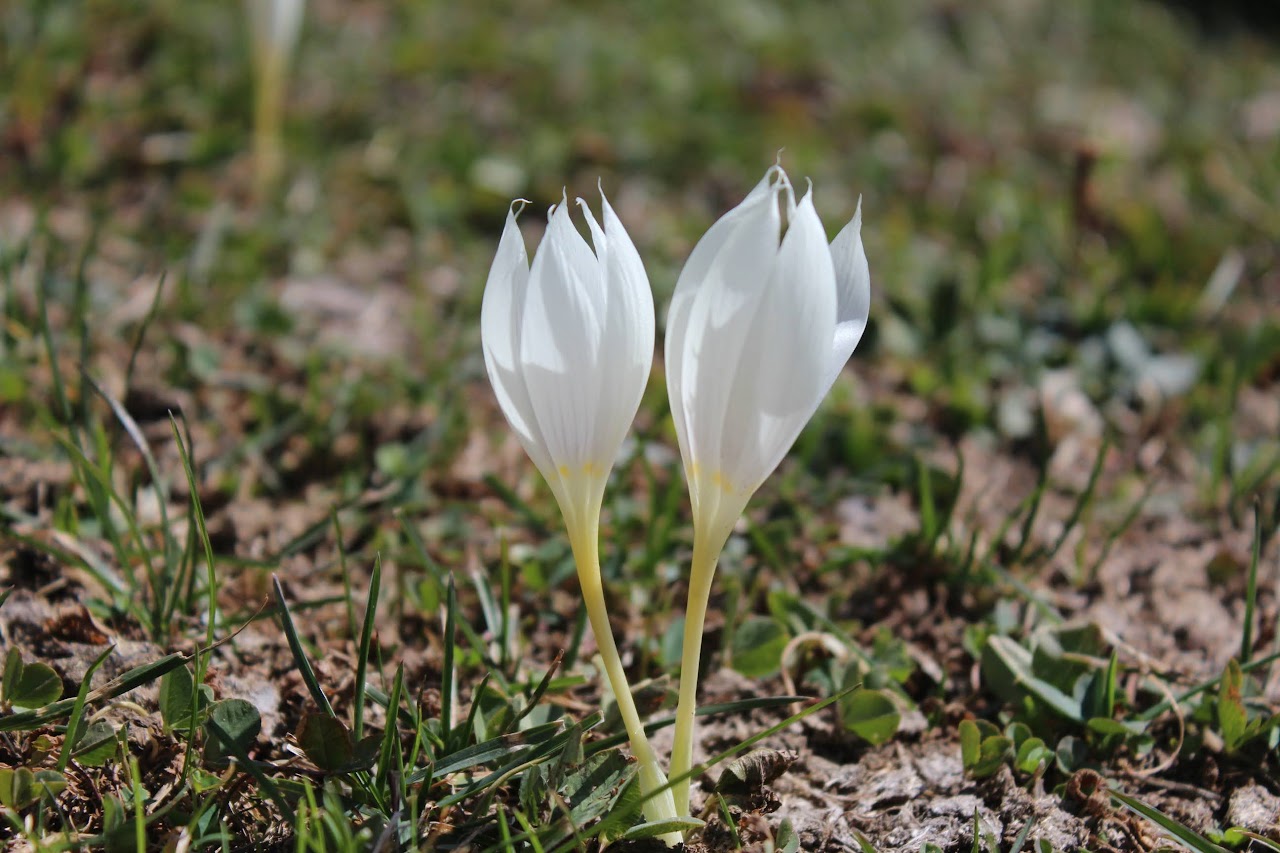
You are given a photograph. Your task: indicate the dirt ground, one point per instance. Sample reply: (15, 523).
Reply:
(1168, 597)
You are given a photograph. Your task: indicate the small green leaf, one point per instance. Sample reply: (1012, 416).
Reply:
(994, 753)
(1018, 733)
(176, 687)
(392, 459)
(871, 715)
(1233, 837)
(31, 685)
(987, 729)
(970, 744)
(1071, 754)
(1031, 755)
(366, 752)
(326, 741)
(1007, 670)
(97, 744)
(240, 722)
(50, 782)
(864, 843)
(15, 785)
(20, 787)
(787, 840)
(757, 647)
(1233, 719)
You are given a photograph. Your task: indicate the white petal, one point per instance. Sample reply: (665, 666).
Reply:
(779, 378)
(500, 333)
(711, 312)
(560, 341)
(626, 355)
(853, 293)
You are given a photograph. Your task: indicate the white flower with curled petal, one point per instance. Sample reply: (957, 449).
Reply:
(764, 316)
(568, 344)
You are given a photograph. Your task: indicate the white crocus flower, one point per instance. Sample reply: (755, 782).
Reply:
(764, 316)
(274, 27)
(568, 344)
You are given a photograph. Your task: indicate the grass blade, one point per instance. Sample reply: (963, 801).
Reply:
(447, 674)
(77, 710)
(1184, 834)
(117, 686)
(299, 655)
(366, 639)
(1251, 592)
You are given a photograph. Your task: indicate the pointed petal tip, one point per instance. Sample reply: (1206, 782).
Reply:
(559, 206)
(807, 198)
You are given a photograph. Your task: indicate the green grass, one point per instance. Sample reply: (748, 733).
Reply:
(230, 461)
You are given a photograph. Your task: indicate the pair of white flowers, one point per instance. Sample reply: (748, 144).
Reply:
(764, 316)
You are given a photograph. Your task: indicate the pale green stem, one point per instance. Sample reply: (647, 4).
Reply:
(268, 111)
(708, 542)
(584, 539)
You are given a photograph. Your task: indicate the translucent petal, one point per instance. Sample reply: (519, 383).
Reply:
(853, 293)
(779, 378)
(716, 298)
(692, 277)
(626, 355)
(562, 331)
(500, 334)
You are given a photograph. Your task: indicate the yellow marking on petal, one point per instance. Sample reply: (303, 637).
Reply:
(722, 481)
(590, 469)
(564, 470)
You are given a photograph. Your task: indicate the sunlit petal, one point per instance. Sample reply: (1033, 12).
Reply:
(853, 293)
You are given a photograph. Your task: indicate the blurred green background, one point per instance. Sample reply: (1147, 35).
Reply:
(1086, 185)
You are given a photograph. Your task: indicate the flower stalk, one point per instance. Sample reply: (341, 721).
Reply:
(275, 26)
(706, 553)
(660, 805)
(268, 112)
